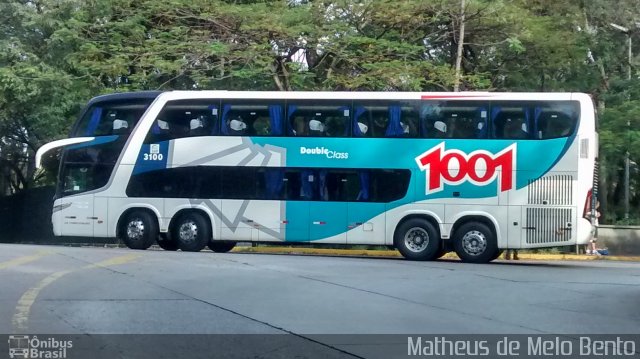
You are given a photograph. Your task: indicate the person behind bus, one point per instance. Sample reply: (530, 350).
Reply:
(591, 246)
(511, 254)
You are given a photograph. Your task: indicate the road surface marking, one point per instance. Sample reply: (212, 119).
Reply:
(23, 308)
(23, 260)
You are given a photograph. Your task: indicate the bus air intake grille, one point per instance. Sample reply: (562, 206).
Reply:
(551, 190)
(548, 225)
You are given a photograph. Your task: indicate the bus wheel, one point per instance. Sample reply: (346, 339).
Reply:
(474, 242)
(221, 247)
(416, 239)
(191, 232)
(140, 230)
(167, 243)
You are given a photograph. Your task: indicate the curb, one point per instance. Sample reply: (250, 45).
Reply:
(396, 254)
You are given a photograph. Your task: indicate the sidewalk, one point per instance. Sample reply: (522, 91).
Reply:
(396, 254)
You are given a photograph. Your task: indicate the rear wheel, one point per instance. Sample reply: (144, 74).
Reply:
(139, 230)
(475, 242)
(191, 232)
(417, 239)
(221, 246)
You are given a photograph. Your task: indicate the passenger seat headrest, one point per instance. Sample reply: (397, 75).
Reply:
(363, 128)
(237, 125)
(440, 126)
(195, 124)
(315, 125)
(164, 125)
(120, 124)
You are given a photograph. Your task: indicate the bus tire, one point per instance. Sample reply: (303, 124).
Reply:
(166, 243)
(221, 246)
(417, 240)
(191, 232)
(475, 242)
(140, 230)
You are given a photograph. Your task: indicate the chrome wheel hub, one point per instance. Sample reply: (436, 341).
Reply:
(188, 231)
(416, 239)
(135, 229)
(474, 243)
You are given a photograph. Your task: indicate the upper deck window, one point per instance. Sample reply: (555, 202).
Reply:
(454, 119)
(253, 118)
(107, 118)
(319, 118)
(186, 118)
(556, 119)
(386, 119)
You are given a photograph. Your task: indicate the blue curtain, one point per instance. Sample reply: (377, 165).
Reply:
(322, 185)
(275, 119)
(527, 120)
(495, 111)
(536, 118)
(274, 178)
(292, 110)
(155, 129)
(394, 129)
(94, 121)
(225, 114)
(215, 125)
(364, 186)
(356, 116)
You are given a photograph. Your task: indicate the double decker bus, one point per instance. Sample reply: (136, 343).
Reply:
(426, 173)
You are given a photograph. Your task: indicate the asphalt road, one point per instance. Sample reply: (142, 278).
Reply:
(69, 290)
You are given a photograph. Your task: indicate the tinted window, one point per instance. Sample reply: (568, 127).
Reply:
(556, 119)
(386, 119)
(511, 120)
(319, 118)
(268, 183)
(454, 119)
(253, 118)
(111, 118)
(86, 168)
(185, 118)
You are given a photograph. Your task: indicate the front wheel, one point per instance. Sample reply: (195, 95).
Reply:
(418, 240)
(192, 232)
(474, 242)
(221, 247)
(139, 230)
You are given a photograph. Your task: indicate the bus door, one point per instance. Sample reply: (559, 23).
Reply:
(327, 210)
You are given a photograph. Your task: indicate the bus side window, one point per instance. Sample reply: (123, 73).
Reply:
(319, 118)
(252, 118)
(185, 118)
(556, 119)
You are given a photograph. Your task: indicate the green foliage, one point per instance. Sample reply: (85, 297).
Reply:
(59, 53)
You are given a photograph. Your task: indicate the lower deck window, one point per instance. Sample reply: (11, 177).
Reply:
(269, 183)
